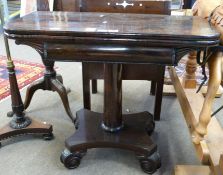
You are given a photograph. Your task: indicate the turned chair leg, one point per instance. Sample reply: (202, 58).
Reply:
(158, 100)
(159, 95)
(153, 88)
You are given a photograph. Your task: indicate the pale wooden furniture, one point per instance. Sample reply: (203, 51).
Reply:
(206, 132)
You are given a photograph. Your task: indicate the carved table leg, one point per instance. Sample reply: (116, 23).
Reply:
(112, 129)
(60, 89)
(51, 82)
(31, 90)
(213, 85)
(189, 79)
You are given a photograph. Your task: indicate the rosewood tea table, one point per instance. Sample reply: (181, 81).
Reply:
(113, 38)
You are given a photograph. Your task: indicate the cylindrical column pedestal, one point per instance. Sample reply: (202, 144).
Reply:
(112, 118)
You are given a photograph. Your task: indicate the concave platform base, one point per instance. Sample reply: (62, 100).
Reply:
(134, 137)
(35, 127)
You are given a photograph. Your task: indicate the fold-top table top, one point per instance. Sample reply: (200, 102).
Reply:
(159, 29)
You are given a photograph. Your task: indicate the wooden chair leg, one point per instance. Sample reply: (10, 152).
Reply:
(86, 87)
(153, 88)
(214, 64)
(94, 86)
(159, 97)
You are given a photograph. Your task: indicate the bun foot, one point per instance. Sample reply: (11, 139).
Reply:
(48, 136)
(71, 160)
(10, 114)
(150, 164)
(150, 126)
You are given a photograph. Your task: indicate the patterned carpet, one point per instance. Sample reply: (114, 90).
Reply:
(26, 73)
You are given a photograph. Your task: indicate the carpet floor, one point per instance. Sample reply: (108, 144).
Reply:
(31, 155)
(26, 73)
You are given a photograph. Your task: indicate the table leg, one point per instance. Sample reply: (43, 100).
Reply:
(153, 88)
(51, 82)
(112, 129)
(213, 85)
(112, 120)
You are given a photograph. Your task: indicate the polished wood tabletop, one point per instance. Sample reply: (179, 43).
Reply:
(176, 30)
(111, 39)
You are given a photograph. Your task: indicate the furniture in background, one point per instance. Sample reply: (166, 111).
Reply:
(51, 81)
(54, 82)
(94, 71)
(140, 42)
(210, 148)
(20, 124)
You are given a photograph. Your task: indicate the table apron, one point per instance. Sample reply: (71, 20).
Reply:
(109, 53)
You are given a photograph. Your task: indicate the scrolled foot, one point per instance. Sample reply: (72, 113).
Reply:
(150, 126)
(150, 164)
(10, 114)
(48, 136)
(71, 160)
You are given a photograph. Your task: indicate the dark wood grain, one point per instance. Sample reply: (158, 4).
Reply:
(112, 38)
(159, 29)
(142, 6)
(108, 53)
(92, 136)
(130, 71)
(133, 137)
(112, 118)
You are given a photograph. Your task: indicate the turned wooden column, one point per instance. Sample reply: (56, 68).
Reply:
(112, 117)
(189, 78)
